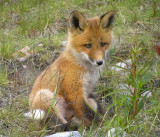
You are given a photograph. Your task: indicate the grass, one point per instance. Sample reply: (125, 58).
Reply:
(42, 25)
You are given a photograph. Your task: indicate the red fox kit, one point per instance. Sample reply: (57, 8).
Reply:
(66, 86)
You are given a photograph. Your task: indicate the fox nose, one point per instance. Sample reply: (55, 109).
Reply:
(99, 62)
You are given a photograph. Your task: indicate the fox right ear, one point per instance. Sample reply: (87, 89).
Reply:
(77, 22)
(107, 20)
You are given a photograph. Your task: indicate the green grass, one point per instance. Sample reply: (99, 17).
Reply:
(42, 25)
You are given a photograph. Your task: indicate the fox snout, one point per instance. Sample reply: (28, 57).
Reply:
(99, 62)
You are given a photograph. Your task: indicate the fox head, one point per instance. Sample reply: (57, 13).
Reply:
(90, 38)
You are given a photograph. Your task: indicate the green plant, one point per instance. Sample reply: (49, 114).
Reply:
(137, 79)
(5, 50)
(154, 7)
(3, 77)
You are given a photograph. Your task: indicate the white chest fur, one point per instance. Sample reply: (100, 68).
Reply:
(90, 79)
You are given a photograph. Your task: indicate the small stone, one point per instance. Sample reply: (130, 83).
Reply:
(128, 62)
(6, 4)
(120, 133)
(64, 43)
(126, 91)
(24, 66)
(119, 66)
(66, 134)
(148, 94)
(40, 44)
(26, 52)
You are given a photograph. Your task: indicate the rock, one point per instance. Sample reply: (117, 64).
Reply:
(64, 43)
(120, 133)
(148, 94)
(26, 52)
(126, 89)
(6, 4)
(119, 66)
(40, 44)
(66, 134)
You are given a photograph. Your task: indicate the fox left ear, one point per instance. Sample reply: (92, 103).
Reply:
(107, 20)
(77, 22)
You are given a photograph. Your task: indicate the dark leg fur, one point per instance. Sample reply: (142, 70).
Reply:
(89, 113)
(99, 109)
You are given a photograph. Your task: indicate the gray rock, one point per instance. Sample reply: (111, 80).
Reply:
(122, 65)
(64, 43)
(66, 134)
(148, 94)
(120, 133)
(6, 4)
(126, 89)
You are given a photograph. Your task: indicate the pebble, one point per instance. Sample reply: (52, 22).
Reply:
(66, 134)
(120, 133)
(64, 43)
(126, 91)
(119, 66)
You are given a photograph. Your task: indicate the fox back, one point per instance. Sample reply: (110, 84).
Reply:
(66, 86)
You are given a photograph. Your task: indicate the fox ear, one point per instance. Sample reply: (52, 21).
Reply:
(77, 22)
(107, 20)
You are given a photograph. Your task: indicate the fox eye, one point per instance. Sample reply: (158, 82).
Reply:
(88, 46)
(103, 44)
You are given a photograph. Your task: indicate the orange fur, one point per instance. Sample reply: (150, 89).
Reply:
(70, 80)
